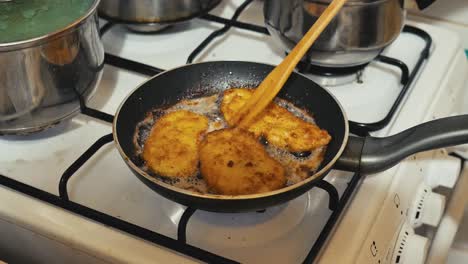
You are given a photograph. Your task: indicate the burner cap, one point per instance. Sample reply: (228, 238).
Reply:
(147, 28)
(331, 76)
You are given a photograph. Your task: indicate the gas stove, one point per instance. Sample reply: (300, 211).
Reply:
(69, 187)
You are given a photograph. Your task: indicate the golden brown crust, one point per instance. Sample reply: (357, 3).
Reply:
(171, 149)
(233, 162)
(280, 127)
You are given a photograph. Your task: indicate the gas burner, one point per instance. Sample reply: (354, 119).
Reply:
(142, 28)
(148, 28)
(328, 76)
(248, 229)
(334, 80)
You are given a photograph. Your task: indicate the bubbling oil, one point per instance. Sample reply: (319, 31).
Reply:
(297, 168)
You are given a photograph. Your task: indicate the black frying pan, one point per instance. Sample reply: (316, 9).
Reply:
(367, 155)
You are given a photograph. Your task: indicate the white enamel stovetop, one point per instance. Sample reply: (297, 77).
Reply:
(283, 234)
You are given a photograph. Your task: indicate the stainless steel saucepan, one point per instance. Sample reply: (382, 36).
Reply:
(362, 29)
(44, 74)
(153, 15)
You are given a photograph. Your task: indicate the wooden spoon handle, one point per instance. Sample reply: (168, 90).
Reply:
(273, 83)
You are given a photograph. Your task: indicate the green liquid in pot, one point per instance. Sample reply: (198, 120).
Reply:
(26, 19)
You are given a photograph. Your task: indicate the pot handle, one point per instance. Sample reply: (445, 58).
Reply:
(372, 154)
(423, 4)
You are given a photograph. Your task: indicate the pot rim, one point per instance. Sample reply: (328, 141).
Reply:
(27, 43)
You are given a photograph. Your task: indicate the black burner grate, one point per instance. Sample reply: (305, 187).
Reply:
(130, 65)
(336, 204)
(218, 32)
(406, 79)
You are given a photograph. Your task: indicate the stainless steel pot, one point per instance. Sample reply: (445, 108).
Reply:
(355, 37)
(153, 15)
(43, 79)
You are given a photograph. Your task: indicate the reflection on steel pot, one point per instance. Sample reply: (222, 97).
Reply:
(153, 15)
(356, 36)
(45, 73)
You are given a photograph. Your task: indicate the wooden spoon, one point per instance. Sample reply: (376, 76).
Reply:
(222, 175)
(273, 83)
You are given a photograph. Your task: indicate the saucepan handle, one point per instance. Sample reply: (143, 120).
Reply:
(371, 154)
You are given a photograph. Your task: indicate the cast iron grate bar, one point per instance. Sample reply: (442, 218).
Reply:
(234, 23)
(107, 26)
(130, 65)
(328, 228)
(115, 223)
(218, 32)
(70, 171)
(183, 222)
(97, 114)
(334, 197)
(363, 128)
(397, 63)
(456, 155)
(94, 113)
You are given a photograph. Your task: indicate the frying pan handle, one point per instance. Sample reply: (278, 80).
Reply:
(371, 154)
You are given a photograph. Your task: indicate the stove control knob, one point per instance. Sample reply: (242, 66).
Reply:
(428, 207)
(410, 248)
(443, 170)
(434, 209)
(416, 250)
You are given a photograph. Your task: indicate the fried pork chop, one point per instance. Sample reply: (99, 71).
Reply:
(233, 162)
(280, 127)
(171, 149)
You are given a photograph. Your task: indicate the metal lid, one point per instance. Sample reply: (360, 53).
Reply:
(30, 20)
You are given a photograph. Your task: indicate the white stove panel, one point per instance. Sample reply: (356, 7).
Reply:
(372, 213)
